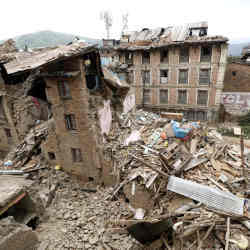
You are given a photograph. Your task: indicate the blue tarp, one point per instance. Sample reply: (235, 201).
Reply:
(179, 132)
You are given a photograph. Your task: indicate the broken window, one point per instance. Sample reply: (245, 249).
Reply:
(163, 75)
(182, 96)
(70, 122)
(145, 57)
(51, 155)
(164, 56)
(206, 53)
(64, 90)
(198, 32)
(129, 58)
(130, 77)
(163, 96)
(204, 76)
(147, 96)
(145, 74)
(183, 76)
(202, 97)
(184, 55)
(76, 154)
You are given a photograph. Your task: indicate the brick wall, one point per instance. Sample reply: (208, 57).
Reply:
(216, 65)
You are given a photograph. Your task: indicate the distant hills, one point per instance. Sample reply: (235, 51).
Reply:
(48, 38)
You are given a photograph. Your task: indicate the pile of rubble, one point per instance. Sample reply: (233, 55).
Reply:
(180, 178)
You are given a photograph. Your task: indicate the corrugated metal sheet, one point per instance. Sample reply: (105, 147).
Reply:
(215, 198)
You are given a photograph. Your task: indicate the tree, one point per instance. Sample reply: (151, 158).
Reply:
(106, 16)
(124, 22)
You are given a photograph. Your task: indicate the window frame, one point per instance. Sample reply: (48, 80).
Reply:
(143, 60)
(149, 96)
(163, 90)
(203, 58)
(209, 76)
(183, 56)
(164, 59)
(70, 122)
(64, 89)
(76, 155)
(186, 70)
(142, 78)
(178, 91)
(161, 70)
(197, 98)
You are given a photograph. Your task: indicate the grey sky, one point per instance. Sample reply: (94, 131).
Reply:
(225, 17)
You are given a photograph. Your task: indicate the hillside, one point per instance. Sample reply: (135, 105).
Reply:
(48, 39)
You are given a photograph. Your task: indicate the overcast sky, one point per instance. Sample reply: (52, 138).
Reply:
(229, 18)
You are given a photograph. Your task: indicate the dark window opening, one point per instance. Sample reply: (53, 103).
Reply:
(145, 74)
(182, 97)
(64, 90)
(146, 96)
(129, 58)
(51, 155)
(184, 55)
(163, 96)
(198, 32)
(38, 89)
(7, 132)
(206, 53)
(70, 121)
(204, 78)
(202, 97)
(164, 56)
(91, 179)
(145, 57)
(234, 73)
(76, 154)
(183, 76)
(163, 75)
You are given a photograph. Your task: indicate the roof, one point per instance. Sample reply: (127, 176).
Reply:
(161, 37)
(24, 61)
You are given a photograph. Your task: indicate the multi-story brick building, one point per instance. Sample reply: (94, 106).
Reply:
(66, 83)
(178, 69)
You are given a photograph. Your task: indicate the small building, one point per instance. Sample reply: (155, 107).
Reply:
(67, 86)
(236, 92)
(176, 69)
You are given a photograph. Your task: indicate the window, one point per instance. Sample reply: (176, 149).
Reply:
(204, 76)
(206, 53)
(164, 56)
(130, 76)
(234, 73)
(163, 75)
(129, 58)
(182, 97)
(202, 97)
(146, 96)
(7, 132)
(183, 76)
(184, 55)
(76, 154)
(145, 57)
(145, 74)
(70, 122)
(201, 116)
(51, 155)
(63, 89)
(163, 96)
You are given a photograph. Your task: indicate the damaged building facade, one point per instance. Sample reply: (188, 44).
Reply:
(66, 87)
(177, 69)
(235, 97)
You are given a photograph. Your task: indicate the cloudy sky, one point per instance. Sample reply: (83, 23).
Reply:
(225, 17)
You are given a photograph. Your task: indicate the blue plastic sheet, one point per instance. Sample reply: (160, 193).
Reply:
(179, 132)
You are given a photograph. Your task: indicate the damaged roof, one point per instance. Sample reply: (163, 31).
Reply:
(160, 37)
(23, 61)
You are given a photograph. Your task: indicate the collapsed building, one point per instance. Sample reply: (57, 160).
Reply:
(176, 69)
(67, 86)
